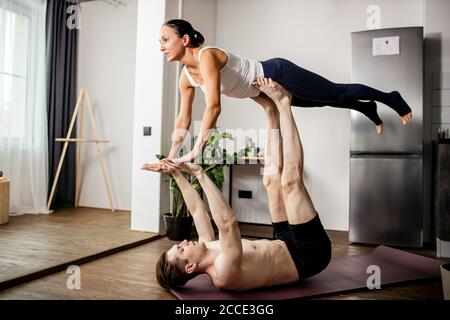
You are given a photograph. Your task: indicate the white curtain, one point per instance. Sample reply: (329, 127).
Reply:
(23, 115)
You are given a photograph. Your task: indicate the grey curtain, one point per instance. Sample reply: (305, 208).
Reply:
(61, 98)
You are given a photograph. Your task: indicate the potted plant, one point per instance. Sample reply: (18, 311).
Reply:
(178, 221)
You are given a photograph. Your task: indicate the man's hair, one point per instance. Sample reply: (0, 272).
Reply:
(171, 275)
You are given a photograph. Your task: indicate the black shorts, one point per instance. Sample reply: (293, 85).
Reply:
(308, 244)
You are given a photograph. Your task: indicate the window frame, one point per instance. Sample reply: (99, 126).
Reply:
(28, 139)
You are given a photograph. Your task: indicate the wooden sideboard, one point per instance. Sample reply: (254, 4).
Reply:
(4, 201)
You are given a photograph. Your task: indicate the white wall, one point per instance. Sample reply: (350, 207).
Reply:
(437, 24)
(315, 35)
(106, 68)
(437, 64)
(130, 86)
(149, 196)
(202, 15)
(437, 76)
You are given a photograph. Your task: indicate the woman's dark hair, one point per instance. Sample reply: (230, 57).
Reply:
(183, 27)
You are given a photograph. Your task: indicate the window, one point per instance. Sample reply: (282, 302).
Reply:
(14, 57)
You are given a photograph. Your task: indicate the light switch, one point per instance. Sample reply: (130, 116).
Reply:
(147, 131)
(386, 46)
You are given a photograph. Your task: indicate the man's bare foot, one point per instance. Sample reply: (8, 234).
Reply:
(379, 128)
(273, 90)
(407, 118)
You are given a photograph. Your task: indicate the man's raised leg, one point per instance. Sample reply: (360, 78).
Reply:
(297, 201)
(273, 160)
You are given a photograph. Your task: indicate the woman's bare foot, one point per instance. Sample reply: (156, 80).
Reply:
(379, 128)
(273, 90)
(407, 118)
(400, 106)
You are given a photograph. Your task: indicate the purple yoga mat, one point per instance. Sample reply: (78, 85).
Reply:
(342, 274)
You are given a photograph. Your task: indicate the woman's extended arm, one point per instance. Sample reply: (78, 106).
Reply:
(184, 118)
(210, 71)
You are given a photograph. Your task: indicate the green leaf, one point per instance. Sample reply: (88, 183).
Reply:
(212, 139)
(213, 168)
(226, 135)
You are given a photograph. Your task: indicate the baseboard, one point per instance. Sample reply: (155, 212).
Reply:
(106, 209)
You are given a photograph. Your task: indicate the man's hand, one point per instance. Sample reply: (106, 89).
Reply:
(191, 168)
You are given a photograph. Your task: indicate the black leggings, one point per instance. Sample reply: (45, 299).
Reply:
(309, 89)
(308, 244)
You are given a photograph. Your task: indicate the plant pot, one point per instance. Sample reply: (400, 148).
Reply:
(445, 272)
(177, 228)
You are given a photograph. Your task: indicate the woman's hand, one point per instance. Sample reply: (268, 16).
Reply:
(181, 160)
(191, 168)
(163, 166)
(188, 157)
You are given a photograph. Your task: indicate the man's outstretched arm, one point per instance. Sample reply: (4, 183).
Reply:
(196, 207)
(226, 221)
(193, 201)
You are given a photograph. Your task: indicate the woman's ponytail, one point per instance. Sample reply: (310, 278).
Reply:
(183, 27)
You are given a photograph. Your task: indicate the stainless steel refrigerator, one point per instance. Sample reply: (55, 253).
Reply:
(386, 171)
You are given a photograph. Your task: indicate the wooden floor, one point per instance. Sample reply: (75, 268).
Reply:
(32, 243)
(131, 275)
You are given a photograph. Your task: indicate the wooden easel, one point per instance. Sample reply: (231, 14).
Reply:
(79, 140)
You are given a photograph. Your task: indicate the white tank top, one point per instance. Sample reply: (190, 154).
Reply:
(236, 76)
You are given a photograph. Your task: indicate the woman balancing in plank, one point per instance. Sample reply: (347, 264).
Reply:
(217, 71)
(301, 247)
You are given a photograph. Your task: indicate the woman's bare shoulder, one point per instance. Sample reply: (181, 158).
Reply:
(214, 57)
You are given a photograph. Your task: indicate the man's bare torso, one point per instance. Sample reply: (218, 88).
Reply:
(264, 263)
